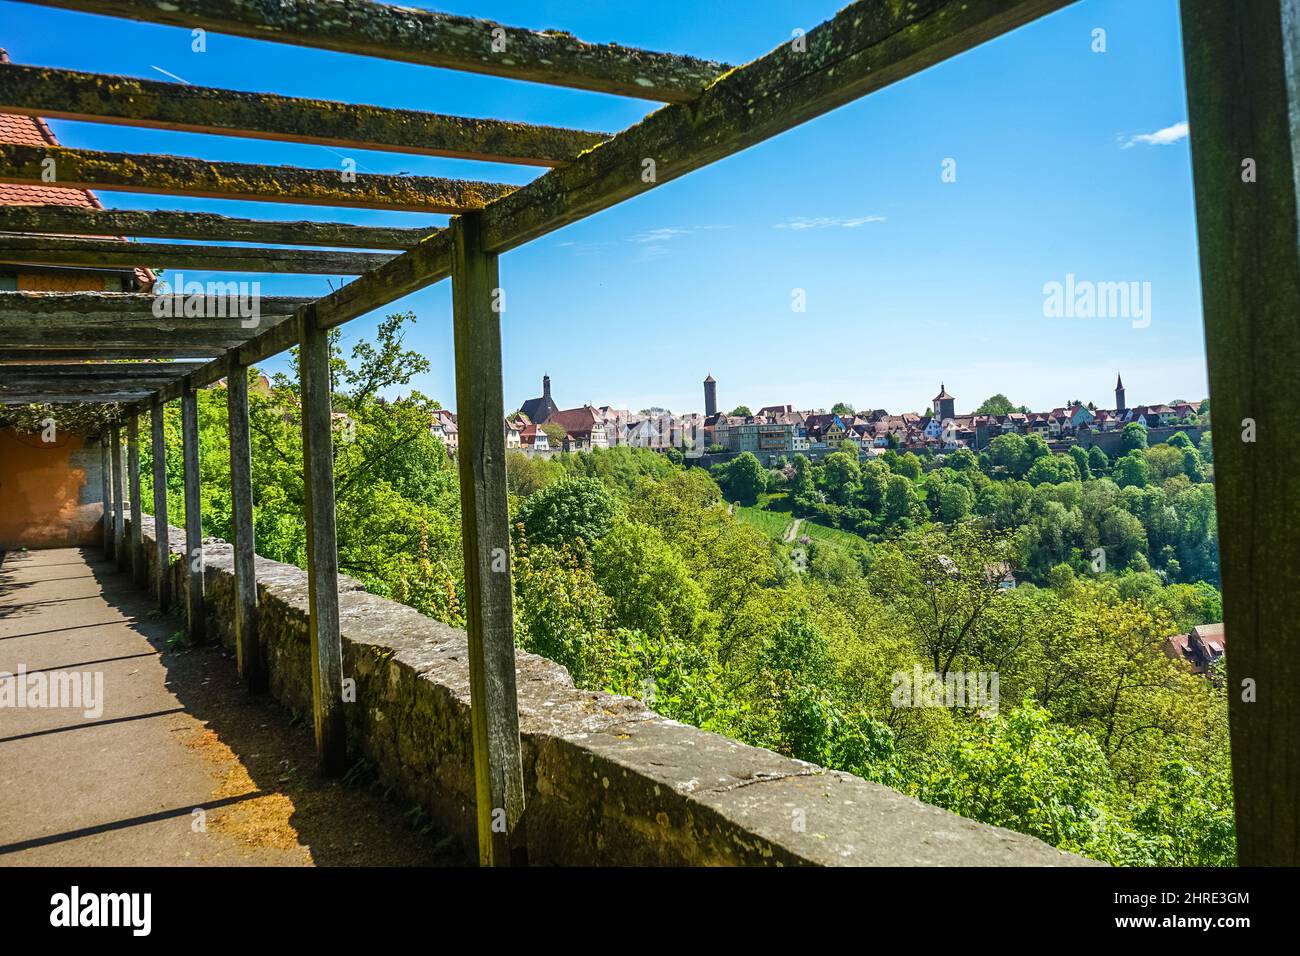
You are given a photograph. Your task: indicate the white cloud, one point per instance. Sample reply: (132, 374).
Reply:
(827, 222)
(659, 235)
(1161, 137)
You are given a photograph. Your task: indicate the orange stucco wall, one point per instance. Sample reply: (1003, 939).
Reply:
(51, 493)
(69, 282)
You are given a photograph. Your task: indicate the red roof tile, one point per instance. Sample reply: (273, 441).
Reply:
(34, 131)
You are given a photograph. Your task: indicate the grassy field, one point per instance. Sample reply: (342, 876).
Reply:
(775, 524)
(824, 535)
(771, 523)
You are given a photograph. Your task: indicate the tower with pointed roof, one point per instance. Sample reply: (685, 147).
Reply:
(539, 410)
(710, 397)
(944, 404)
(1119, 395)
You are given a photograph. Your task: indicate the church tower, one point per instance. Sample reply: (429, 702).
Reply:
(1119, 394)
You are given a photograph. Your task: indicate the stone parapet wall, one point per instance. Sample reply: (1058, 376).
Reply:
(607, 781)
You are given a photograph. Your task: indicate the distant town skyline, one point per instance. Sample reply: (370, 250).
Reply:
(1136, 395)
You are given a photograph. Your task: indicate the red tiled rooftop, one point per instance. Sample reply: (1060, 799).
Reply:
(34, 131)
(30, 131)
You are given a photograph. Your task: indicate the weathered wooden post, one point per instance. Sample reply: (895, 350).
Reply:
(106, 466)
(161, 529)
(485, 531)
(247, 647)
(1243, 90)
(119, 492)
(322, 552)
(136, 546)
(193, 512)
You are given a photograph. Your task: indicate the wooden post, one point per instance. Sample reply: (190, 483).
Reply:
(193, 512)
(1243, 90)
(136, 546)
(119, 525)
(485, 531)
(247, 647)
(161, 529)
(106, 466)
(322, 553)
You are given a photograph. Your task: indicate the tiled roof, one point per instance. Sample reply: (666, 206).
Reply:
(576, 421)
(34, 131)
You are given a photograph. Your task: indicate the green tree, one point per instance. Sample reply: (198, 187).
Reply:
(555, 434)
(1009, 453)
(954, 503)
(1081, 461)
(745, 478)
(1098, 461)
(567, 510)
(997, 404)
(647, 581)
(841, 473)
(1134, 436)
(963, 459)
(1023, 772)
(1131, 470)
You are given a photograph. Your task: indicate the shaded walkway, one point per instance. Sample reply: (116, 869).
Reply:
(119, 785)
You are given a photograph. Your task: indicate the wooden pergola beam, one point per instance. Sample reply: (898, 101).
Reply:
(432, 39)
(101, 353)
(76, 251)
(66, 307)
(93, 323)
(195, 610)
(1243, 94)
(323, 628)
(205, 226)
(124, 100)
(186, 176)
(428, 262)
(485, 534)
(161, 528)
(96, 371)
(54, 397)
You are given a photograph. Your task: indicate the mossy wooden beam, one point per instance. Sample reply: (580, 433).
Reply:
(94, 97)
(64, 308)
(431, 39)
(135, 373)
(868, 45)
(485, 534)
(84, 322)
(1243, 95)
(206, 226)
(67, 251)
(111, 395)
(319, 517)
(185, 176)
(92, 352)
(414, 269)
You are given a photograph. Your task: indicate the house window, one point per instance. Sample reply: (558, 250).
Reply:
(8, 282)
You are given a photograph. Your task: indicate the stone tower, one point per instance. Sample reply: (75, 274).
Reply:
(710, 397)
(1119, 394)
(944, 404)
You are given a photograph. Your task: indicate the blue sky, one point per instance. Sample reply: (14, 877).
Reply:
(909, 280)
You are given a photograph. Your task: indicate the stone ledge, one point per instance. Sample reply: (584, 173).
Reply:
(607, 781)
